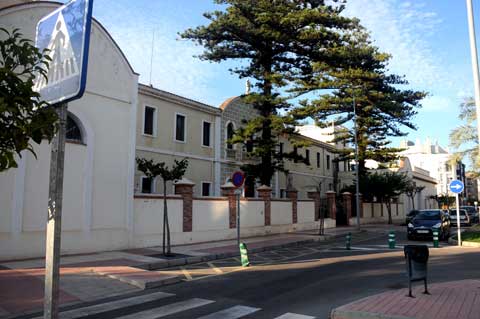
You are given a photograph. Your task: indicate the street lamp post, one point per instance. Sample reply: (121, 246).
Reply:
(473, 52)
(357, 181)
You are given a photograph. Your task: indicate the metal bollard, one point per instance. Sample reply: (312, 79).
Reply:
(348, 242)
(435, 232)
(391, 239)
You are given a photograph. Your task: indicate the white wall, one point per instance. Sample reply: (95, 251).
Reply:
(398, 216)
(252, 213)
(281, 213)
(210, 215)
(305, 212)
(148, 220)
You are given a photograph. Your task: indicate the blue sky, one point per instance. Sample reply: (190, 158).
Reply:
(427, 38)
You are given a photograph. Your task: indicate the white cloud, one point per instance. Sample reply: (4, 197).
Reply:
(174, 67)
(404, 29)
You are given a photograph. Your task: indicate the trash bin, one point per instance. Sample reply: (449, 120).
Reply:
(417, 260)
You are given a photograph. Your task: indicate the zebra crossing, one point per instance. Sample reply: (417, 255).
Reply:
(162, 305)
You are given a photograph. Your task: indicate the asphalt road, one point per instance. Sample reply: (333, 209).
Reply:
(309, 285)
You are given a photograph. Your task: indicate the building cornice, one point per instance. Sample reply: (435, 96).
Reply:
(180, 100)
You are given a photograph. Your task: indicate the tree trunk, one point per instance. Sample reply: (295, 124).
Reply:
(389, 210)
(266, 172)
(166, 227)
(164, 210)
(413, 201)
(321, 215)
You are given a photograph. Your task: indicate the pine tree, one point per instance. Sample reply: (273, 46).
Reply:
(273, 42)
(382, 109)
(464, 138)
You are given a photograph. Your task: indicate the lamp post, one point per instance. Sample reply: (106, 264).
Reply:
(473, 52)
(357, 181)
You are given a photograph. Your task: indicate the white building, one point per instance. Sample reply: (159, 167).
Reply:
(99, 156)
(431, 157)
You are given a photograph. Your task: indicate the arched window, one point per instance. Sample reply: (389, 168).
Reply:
(230, 130)
(74, 133)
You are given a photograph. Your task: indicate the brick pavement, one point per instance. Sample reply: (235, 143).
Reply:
(456, 299)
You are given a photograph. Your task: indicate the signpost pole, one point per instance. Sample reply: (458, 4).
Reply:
(54, 223)
(238, 217)
(459, 235)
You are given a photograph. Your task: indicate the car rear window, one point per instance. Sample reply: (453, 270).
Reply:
(428, 215)
(469, 209)
(453, 212)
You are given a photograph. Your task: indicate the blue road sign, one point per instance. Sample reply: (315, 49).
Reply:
(238, 178)
(456, 186)
(66, 34)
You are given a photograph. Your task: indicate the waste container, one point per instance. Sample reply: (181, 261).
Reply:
(417, 261)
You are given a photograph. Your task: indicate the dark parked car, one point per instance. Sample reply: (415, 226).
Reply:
(411, 215)
(464, 218)
(472, 213)
(422, 225)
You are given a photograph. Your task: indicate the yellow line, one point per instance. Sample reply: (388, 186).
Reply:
(185, 273)
(217, 270)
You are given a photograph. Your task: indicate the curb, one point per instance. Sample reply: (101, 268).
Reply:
(464, 243)
(164, 264)
(346, 314)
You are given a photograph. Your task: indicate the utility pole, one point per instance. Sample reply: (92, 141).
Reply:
(473, 52)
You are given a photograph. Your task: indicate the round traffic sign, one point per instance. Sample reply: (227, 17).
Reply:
(456, 186)
(238, 178)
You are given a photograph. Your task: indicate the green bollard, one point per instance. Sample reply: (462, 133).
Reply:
(435, 237)
(244, 255)
(348, 242)
(391, 239)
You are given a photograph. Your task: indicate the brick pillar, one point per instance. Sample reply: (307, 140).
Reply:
(265, 193)
(347, 203)
(332, 206)
(184, 187)
(293, 195)
(228, 190)
(316, 202)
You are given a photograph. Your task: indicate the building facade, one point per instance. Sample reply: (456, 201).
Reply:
(435, 159)
(173, 127)
(99, 155)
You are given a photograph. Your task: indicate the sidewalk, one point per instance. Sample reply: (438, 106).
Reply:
(91, 277)
(456, 299)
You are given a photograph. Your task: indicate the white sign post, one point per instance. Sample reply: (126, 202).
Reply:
(65, 33)
(456, 187)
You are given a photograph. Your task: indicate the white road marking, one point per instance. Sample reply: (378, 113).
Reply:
(290, 315)
(167, 310)
(231, 313)
(112, 305)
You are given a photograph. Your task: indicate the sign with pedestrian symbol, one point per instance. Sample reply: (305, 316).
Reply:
(65, 34)
(456, 186)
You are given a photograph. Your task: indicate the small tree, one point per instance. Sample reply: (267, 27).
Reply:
(24, 117)
(412, 190)
(386, 186)
(152, 170)
(464, 138)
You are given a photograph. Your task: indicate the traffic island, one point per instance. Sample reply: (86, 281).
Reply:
(470, 237)
(396, 304)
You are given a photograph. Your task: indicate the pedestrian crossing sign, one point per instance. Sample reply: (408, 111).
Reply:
(65, 33)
